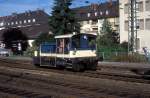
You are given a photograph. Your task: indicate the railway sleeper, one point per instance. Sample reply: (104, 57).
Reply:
(141, 71)
(23, 93)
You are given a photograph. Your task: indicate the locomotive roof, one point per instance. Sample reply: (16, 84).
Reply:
(64, 36)
(70, 35)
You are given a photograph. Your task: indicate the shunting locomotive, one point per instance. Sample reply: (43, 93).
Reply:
(76, 51)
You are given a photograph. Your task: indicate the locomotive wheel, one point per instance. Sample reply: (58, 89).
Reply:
(94, 67)
(76, 67)
(60, 67)
(82, 67)
(37, 65)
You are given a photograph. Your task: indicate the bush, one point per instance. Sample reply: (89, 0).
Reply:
(30, 51)
(135, 58)
(109, 52)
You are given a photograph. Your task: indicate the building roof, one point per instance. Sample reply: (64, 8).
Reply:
(39, 15)
(31, 23)
(97, 11)
(64, 36)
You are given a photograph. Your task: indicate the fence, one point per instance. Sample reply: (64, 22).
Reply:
(122, 57)
(109, 55)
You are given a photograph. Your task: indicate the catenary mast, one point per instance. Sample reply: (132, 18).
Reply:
(132, 31)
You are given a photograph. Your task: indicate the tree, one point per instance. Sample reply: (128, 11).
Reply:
(44, 37)
(12, 37)
(107, 40)
(108, 36)
(63, 19)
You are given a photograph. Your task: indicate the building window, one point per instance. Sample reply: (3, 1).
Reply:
(16, 22)
(12, 23)
(1, 24)
(107, 12)
(95, 13)
(126, 8)
(33, 20)
(101, 13)
(147, 24)
(20, 22)
(29, 21)
(8, 24)
(89, 14)
(147, 5)
(25, 21)
(140, 23)
(126, 25)
(140, 6)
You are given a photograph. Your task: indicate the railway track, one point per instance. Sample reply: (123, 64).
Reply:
(39, 82)
(42, 83)
(61, 85)
(93, 74)
(21, 93)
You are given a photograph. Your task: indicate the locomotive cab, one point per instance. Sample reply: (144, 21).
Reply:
(79, 45)
(76, 51)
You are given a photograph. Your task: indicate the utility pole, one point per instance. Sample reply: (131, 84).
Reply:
(132, 31)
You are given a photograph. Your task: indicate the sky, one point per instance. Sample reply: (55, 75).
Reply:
(7, 7)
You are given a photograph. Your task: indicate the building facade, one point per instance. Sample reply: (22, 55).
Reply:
(91, 17)
(143, 22)
(31, 23)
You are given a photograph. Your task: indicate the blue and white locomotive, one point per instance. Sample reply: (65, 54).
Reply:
(76, 51)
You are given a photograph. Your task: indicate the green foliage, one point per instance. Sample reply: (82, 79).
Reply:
(107, 35)
(109, 52)
(43, 37)
(30, 51)
(137, 58)
(115, 48)
(124, 45)
(106, 27)
(63, 19)
(107, 40)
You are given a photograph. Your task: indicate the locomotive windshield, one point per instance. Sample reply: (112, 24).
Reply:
(84, 41)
